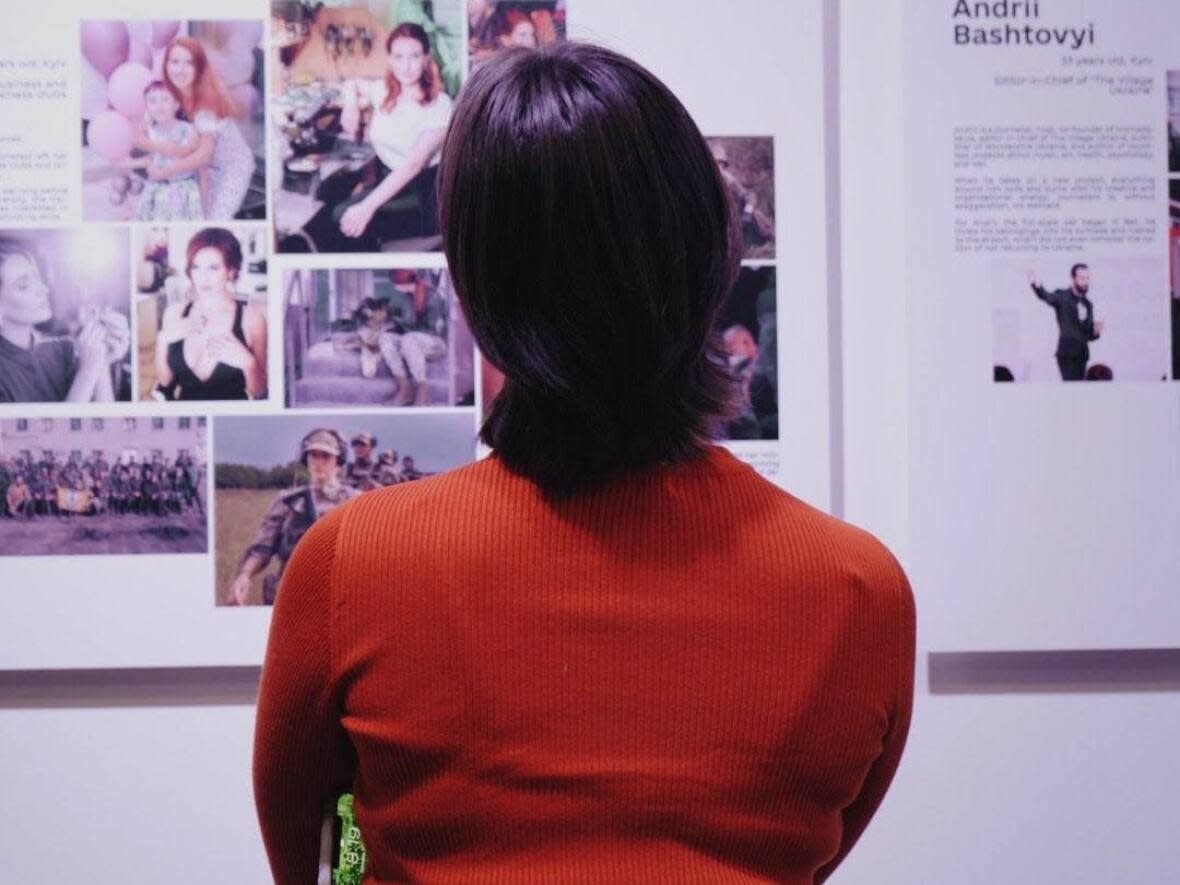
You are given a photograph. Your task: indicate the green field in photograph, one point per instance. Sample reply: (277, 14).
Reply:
(236, 518)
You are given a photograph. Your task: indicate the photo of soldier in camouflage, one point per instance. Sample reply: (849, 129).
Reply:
(292, 513)
(365, 473)
(102, 485)
(276, 475)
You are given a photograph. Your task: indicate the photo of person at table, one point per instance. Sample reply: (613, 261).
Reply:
(64, 331)
(210, 339)
(143, 158)
(391, 198)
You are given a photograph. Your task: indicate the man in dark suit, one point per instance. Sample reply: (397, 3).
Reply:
(1075, 321)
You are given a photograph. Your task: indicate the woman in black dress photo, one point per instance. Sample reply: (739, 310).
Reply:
(212, 346)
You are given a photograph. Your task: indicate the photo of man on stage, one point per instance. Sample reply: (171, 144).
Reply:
(1075, 320)
(1108, 319)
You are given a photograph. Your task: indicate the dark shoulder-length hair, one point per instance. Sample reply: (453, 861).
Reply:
(592, 242)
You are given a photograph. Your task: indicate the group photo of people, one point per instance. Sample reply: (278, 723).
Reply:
(361, 96)
(102, 485)
(375, 337)
(200, 308)
(1081, 318)
(276, 474)
(172, 120)
(65, 333)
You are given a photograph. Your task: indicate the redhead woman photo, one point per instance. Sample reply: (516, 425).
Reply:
(610, 652)
(213, 345)
(222, 159)
(36, 367)
(394, 197)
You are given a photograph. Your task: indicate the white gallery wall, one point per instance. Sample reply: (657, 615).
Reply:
(1049, 773)
(1056, 772)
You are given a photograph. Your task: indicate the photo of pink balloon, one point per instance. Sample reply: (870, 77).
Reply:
(111, 135)
(140, 50)
(140, 31)
(140, 53)
(126, 86)
(233, 68)
(105, 44)
(246, 98)
(242, 35)
(94, 91)
(163, 32)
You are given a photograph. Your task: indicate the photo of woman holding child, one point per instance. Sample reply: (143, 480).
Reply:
(167, 137)
(222, 159)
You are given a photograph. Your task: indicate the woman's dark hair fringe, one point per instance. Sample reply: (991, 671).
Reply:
(592, 242)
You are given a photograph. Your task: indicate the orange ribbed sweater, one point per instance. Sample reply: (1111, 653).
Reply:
(688, 676)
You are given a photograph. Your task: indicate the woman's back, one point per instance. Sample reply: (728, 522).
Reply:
(686, 675)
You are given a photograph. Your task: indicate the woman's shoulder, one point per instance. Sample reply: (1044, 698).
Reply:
(828, 536)
(251, 313)
(174, 310)
(777, 520)
(440, 108)
(253, 318)
(854, 560)
(438, 493)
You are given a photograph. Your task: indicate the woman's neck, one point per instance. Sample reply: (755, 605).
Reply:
(189, 101)
(411, 94)
(20, 334)
(212, 301)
